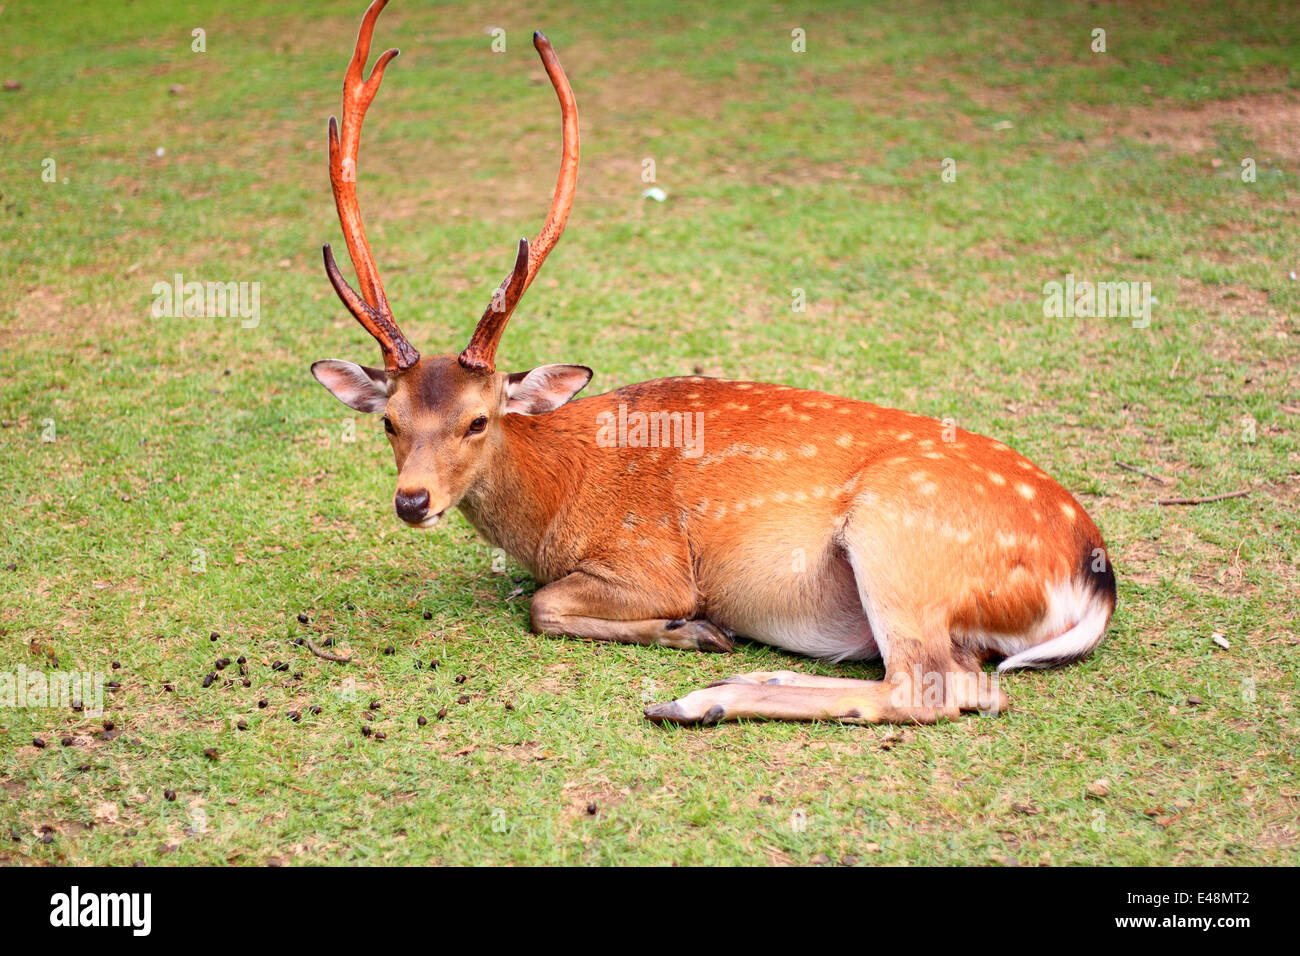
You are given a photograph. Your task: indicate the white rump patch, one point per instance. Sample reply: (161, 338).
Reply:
(1075, 621)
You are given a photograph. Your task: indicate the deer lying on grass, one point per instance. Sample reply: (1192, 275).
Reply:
(825, 526)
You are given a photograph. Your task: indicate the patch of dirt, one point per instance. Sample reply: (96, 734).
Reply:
(777, 857)
(1272, 120)
(45, 312)
(1226, 301)
(581, 799)
(524, 750)
(1140, 561)
(556, 687)
(1279, 836)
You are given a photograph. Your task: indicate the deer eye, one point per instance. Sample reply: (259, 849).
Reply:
(388, 426)
(477, 425)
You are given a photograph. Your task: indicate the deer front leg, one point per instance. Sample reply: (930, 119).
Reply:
(583, 605)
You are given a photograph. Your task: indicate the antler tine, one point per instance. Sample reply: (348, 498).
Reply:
(482, 348)
(498, 311)
(371, 306)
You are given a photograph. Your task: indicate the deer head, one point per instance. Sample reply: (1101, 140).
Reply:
(443, 414)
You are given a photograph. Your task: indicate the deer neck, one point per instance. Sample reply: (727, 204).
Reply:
(534, 470)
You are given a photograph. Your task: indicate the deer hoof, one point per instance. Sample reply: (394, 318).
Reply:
(695, 635)
(673, 713)
(712, 639)
(665, 713)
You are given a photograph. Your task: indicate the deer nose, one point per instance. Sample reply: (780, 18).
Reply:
(411, 505)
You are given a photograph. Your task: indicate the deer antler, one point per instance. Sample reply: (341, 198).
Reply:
(482, 349)
(371, 307)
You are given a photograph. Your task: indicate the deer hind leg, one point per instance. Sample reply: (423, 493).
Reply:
(970, 687)
(927, 678)
(788, 695)
(856, 701)
(919, 687)
(895, 576)
(593, 608)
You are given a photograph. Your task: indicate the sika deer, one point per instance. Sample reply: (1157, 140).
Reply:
(825, 526)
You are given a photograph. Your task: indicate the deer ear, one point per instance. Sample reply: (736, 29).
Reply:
(544, 388)
(365, 389)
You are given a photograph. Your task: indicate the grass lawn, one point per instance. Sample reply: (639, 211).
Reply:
(178, 490)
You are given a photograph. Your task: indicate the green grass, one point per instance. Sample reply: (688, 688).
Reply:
(181, 439)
